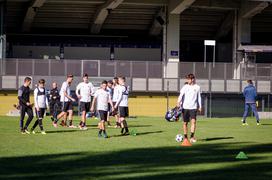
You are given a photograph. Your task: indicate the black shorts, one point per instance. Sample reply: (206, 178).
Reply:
(123, 111)
(85, 106)
(40, 113)
(66, 106)
(103, 115)
(189, 114)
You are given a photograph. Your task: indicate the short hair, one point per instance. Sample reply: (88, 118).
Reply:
(70, 76)
(249, 81)
(27, 79)
(190, 76)
(41, 81)
(122, 77)
(85, 75)
(104, 82)
(110, 82)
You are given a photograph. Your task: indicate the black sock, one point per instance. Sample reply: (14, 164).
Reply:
(185, 136)
(122, 130)
(100, 131)
(126, 128)
(192, 134)
(70, 122)
(80, 123)
(104, 131)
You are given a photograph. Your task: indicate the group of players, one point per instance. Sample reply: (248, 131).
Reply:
(111, 98)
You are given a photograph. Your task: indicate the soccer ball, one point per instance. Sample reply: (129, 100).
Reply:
(179, 137)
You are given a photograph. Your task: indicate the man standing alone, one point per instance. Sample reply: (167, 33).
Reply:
(250, 95)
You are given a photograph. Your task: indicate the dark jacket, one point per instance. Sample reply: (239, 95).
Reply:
(250, 94)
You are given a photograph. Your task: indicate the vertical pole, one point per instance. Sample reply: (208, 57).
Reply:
(210, 108)
(167, 95)
(268, 102)
(213, 56)
(263, 101)
(206, 105)
(205, 61)
(234, 53)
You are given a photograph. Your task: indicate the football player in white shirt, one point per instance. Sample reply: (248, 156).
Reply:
(41, 103)
(110, 91)
(102, 98)
(190, 100)
(122, 105)
(66, 100)
(114, 99)
(84, 90)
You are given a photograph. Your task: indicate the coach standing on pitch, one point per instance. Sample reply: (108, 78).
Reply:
(250, 95)
(190, 100)
(25, 105)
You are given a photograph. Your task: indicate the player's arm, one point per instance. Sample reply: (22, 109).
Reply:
(199, 100)
(66, 95)
(110, 101)
(77, 91)
(36, 99)
(179, 101)
(93, 103)
(21, 99)
(119, 98)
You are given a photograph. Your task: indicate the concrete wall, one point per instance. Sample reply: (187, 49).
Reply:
(35, 51)
(95, 53)
(138, 54)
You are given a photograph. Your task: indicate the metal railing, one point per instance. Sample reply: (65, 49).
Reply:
(141, 75)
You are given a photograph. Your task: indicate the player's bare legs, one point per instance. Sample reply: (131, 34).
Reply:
(193, 128)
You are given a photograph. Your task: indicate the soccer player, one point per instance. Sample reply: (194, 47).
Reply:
(122, 105)
(54, 101)
(190, 100)
(66, 99)
(110, 91)
(103, 98)
(114, 99)
(41, 103)
(84, 90)
(25, 105)
(250, 95)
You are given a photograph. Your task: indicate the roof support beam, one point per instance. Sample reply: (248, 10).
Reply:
(178, 6)
(250, 9)
(158, 23)
(226, 25)
(31, 13)
(102, 13)
(217, 4)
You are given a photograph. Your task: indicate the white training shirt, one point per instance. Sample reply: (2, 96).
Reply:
(115, 93)
(191, 96)
(40, 101)
(102, 99)
(85, 90)
(122, 99)
(65, 87)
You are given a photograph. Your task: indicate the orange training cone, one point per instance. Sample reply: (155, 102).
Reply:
(186, 142)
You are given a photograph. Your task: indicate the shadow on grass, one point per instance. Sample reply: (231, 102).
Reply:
(266, 124)
(62, 131)
(216, 138)
(209, 161)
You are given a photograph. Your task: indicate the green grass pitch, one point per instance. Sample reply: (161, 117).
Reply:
(152, 154)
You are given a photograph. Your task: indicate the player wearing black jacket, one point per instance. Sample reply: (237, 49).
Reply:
(25, 105)
(54, 101)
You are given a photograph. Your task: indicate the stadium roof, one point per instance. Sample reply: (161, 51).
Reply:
(200, 19)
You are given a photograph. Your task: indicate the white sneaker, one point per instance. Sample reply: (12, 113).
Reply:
(72, 126)
(192, 140)
(245, 124)
(43, 132)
